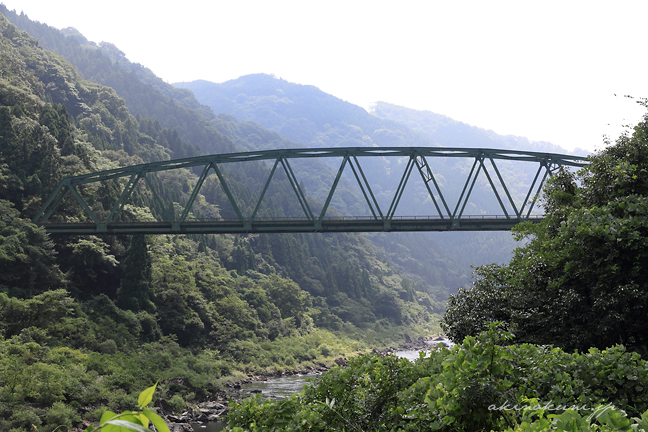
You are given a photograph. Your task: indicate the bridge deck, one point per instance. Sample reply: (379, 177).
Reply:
(297, 225)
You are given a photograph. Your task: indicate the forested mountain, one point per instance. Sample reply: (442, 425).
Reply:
(73, 309)
(303, 114)
(143, 92)
(306, 115)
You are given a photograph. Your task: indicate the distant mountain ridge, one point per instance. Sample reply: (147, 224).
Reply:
(453, 133)
(303, 114)
(307, 115)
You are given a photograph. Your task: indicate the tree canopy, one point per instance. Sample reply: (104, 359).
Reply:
(579, 281)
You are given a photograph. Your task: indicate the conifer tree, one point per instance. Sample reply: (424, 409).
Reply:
(133, 294)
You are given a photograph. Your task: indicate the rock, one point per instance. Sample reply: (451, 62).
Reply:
(181, 427)
(166, 407)
(212, 405)
(173, 418)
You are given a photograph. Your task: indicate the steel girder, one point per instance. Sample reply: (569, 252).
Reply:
(447, 218)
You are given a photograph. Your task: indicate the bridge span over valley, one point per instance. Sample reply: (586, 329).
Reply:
(382, 189)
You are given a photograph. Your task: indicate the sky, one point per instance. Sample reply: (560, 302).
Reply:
(555, 71)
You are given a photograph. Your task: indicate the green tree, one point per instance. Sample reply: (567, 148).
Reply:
(178, 300)
(579, 281)
(90, 267)
(133, 294)
(27, 256)
(291, 300)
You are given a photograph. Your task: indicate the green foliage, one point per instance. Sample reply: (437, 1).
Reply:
(608, 419)
(134, 291)
(291, 300)
(62, 416)
(27, 256)
(51, 317)
(579, 280)
(90, 267)
(481, 384)
(177, 404)
(132, 420)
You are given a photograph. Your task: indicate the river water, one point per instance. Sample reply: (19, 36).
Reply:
(278, 388)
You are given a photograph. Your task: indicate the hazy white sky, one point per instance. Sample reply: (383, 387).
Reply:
(545, 70)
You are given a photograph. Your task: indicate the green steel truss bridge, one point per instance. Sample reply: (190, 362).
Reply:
(449, 215)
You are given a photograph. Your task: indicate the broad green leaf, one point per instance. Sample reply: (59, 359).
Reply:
(157, 421)
(130, 416)
(128, 425)
(106, 416)
(143, 420)
(146, 396)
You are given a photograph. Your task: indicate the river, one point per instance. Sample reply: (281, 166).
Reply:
(278, 388)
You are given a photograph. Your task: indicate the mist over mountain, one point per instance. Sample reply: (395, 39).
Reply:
(305, 114)
(301, 113)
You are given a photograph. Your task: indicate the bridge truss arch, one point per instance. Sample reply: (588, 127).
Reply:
(449, 214)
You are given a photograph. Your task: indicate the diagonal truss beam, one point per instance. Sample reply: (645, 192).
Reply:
(297, 189)
(333, 187)
(364, 184)
(427, 176)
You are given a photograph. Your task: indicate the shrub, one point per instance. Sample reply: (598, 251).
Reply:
(325, 350)
(178, 405)
(25, 418)
(60, 415)
(108, 347)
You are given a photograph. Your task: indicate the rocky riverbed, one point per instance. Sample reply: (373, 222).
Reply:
(213, 406)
